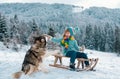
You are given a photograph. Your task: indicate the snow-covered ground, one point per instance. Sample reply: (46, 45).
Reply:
(108, 66)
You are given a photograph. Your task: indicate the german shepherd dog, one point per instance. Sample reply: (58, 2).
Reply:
(33, 57)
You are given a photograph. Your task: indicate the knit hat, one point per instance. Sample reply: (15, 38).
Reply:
(72, 30)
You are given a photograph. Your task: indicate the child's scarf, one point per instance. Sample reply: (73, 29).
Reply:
(65, 42)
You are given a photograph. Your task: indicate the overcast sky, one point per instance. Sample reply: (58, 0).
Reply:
(84, 3)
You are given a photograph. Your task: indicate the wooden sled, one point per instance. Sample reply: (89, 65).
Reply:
(92, 61)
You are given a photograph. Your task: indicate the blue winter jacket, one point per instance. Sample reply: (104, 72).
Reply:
(73, 46)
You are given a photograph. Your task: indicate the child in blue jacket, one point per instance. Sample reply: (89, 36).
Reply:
(70, 47)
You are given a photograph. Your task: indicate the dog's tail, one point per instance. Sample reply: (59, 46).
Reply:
(17, 75)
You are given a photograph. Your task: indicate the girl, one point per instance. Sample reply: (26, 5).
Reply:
(70, 47)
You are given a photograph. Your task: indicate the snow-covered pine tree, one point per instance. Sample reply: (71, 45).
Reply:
(14, 33)
(109, 35)
(34, 26)
(97, 37)
(4, 36)
(16, 20)
(25, 31)
(89, 39)
(3, 28)
(102, 39)
(35, 31)
(117, 40)
(51, 32)
(78, 36)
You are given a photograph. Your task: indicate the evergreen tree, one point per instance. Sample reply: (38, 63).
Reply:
(4, 35)
(25, 31)
(34, 26)
(51, 45)
(35, 31)
(15, 32)
(15, 29)
(117, 40)
(16, 20)
(3, 28)
(89, 39)
(51, 32)
(97, 37)
(109, 35)
(102, 39)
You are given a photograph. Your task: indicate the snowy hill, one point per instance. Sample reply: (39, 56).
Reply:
(107, 68)
(61, 12)
(41, 12)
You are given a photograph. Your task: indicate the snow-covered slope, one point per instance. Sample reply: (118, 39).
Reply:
(107, 68)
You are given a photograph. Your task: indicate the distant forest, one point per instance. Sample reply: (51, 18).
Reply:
(99, 28)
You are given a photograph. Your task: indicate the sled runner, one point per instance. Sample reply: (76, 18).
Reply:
(93, 62)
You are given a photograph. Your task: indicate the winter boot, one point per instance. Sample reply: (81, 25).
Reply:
(72, 66)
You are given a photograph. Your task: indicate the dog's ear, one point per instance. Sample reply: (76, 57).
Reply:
(44, 40)
(35, 39)
(46, 36)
